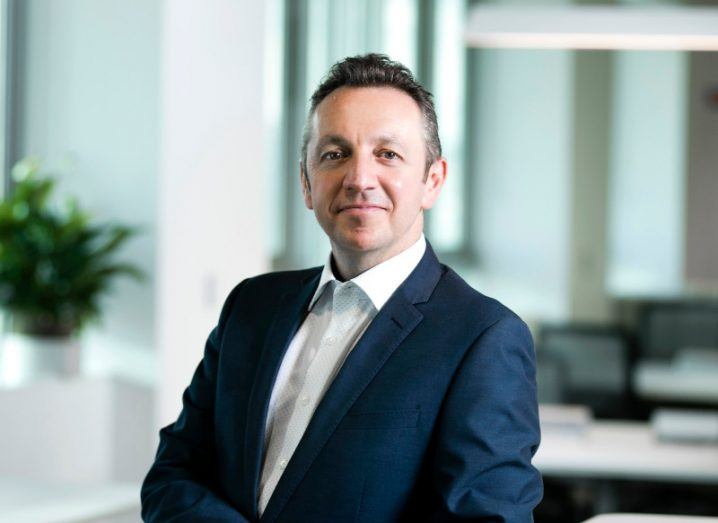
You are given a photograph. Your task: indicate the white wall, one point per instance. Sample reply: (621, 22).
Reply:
(212, 220)
(87, 87)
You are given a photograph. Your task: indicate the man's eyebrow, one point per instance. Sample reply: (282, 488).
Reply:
(333, 139)
(388, 139)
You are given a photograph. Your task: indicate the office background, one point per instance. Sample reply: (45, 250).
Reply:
(582, 193)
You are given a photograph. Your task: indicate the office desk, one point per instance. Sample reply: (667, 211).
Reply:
(691, 377)
(625, 450)
(648, 518)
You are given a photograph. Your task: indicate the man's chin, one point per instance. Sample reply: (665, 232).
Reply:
(360, 241)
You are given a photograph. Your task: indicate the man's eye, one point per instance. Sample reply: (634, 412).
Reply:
(389, 155)
(332, 155)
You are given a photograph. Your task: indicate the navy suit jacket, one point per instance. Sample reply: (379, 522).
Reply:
(432, 417)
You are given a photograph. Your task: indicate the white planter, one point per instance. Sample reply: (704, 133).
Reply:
(24, 358)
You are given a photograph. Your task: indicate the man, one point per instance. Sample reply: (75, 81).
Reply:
(378, 388)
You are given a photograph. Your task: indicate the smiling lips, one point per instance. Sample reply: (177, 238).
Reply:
(360, 207)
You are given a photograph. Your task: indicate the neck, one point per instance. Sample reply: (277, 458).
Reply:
(350, 264)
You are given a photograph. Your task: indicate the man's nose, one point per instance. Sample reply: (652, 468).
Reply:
(361, 174)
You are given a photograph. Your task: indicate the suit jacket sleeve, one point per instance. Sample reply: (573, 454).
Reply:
(181, 484)
(489, 431)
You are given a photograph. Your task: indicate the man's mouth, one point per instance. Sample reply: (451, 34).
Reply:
(360, 207)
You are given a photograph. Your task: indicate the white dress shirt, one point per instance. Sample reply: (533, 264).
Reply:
(339, 313)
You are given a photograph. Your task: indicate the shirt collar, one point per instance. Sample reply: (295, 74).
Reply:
(379, 282)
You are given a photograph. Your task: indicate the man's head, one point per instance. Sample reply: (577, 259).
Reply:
(371, 162)
(377, 70)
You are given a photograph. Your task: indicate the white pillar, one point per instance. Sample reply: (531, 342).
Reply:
(211, 221)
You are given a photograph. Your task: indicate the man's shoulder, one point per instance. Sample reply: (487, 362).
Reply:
(458, 298)
(273, 284)
(259, 295)
(283, 278)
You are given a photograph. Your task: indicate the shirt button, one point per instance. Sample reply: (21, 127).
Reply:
(331, 340)
(304, 400)
(283, 464)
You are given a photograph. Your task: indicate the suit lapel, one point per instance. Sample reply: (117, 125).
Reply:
(291, 310)
(396, 320)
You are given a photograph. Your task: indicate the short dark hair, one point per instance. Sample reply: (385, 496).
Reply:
(377, 70)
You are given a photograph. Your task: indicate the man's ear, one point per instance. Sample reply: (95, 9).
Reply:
(306, 188)
(435, 178)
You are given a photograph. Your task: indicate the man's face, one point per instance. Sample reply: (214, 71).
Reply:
(366, 163)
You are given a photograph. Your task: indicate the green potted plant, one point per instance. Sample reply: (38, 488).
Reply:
(55, 265)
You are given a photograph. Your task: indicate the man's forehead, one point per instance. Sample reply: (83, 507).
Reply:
(367, 95)
(388, 110)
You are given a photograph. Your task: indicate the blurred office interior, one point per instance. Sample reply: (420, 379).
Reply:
(582, 193)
